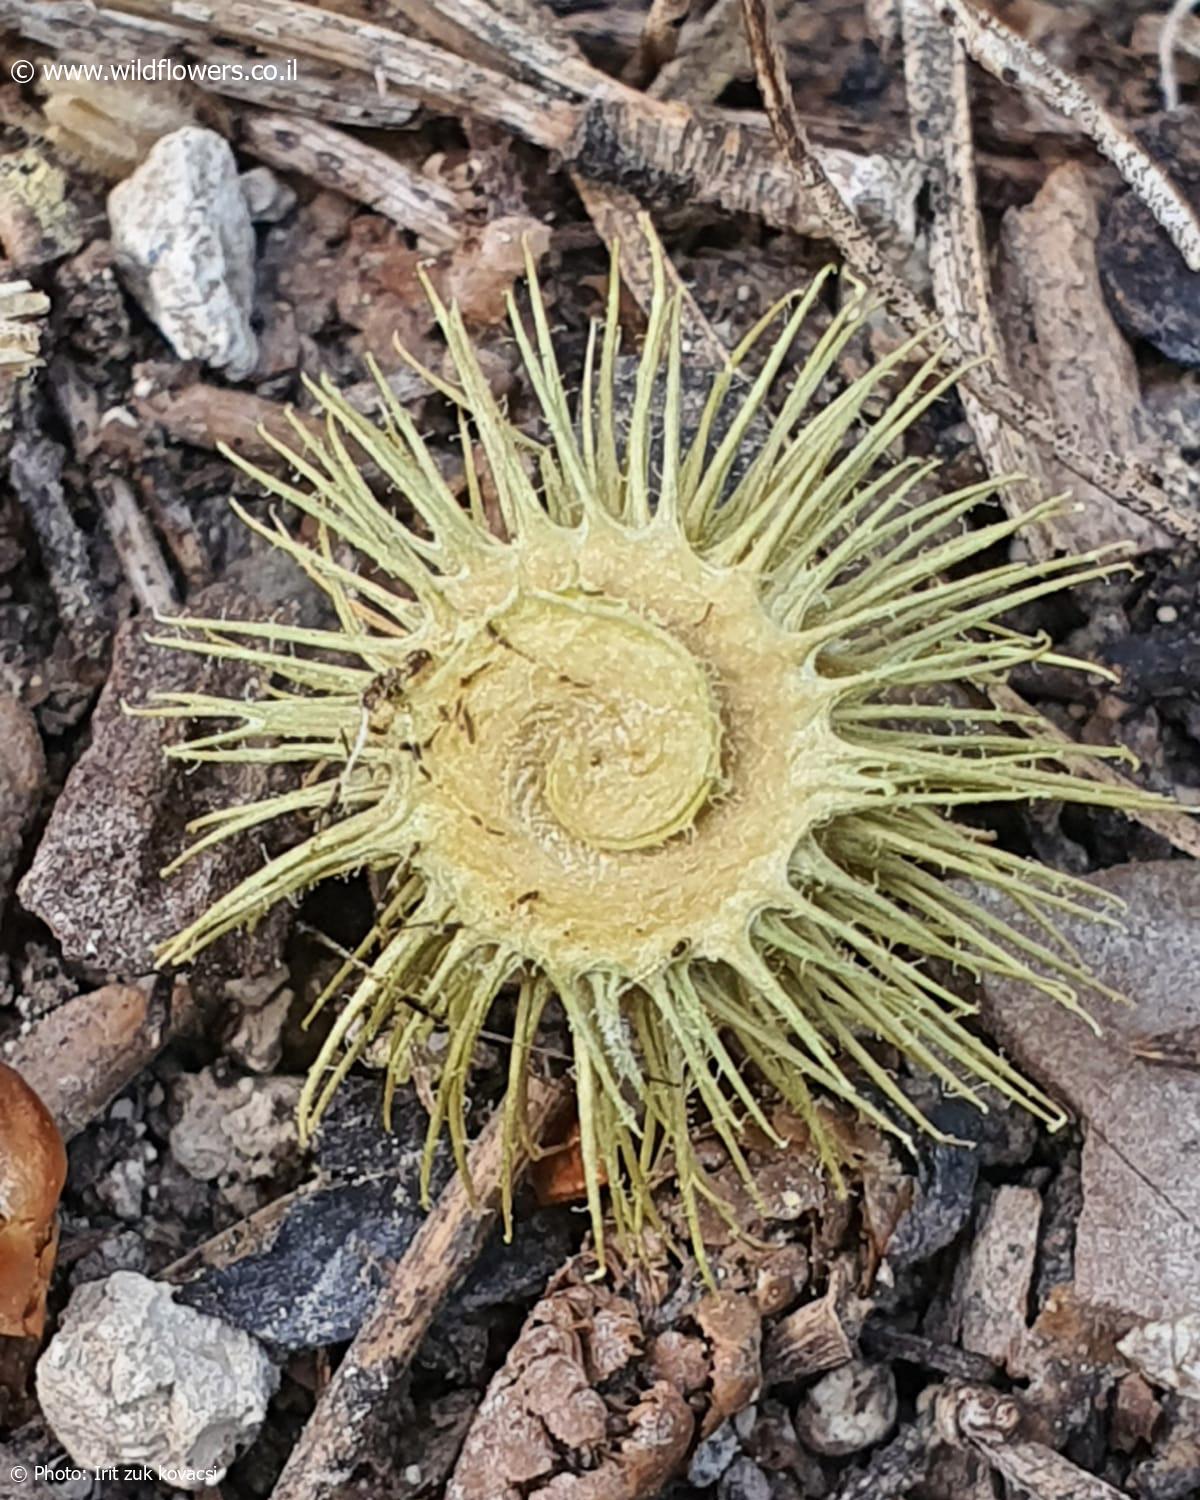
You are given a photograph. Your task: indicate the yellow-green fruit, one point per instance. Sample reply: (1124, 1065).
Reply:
(664, 747)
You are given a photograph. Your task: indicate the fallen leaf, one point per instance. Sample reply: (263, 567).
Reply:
(1138, 1238)
(482, 270)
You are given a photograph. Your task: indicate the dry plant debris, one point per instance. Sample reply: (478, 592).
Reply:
(443, 1249)
(1152, 295)
(544, 1406)
(22, 782)
(570, 744)
(107, 128)
(994, 1295)
(20, 334)
(1065, 348)
(1138, 1239)
(990, 1425)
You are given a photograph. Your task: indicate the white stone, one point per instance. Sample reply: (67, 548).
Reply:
(131, 1377)
(261, 1008)
(1168, 1353)
(267, 199)
(184, 243)
(122, 1187)
(847, 1409)
(239, 1132)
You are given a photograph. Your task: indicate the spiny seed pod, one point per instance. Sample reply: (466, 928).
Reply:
(665, 748)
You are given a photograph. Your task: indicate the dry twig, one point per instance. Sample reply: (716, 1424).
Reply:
(616, 213)
(348, 165)
(441, 1253)
(939, 107)
(80, 28)
(1116, 476)
(659, 39)
(1007, 55)
(670, 152)
(135, 544)
(1168, 41)
(989, 1424)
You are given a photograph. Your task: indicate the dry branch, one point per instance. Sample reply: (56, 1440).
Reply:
(418, 68)
(664, 152)
(939, 110)
(990, 1425)
(1007, 55)
(1116, 476)
(528, 42)
(1173, 35)
(809, 1340)
(443, 1250)
(853, 239)
(617, 214)
(211, 416)
(348, 165)
(620, 221)
(659, 39)
(712, 56)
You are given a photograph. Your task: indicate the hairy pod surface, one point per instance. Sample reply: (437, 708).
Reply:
(678, 741)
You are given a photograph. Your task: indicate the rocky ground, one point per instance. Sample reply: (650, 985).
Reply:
(1020, 1315)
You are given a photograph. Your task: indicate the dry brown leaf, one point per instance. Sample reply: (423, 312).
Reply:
(681, 1360)
(1138, 1238)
